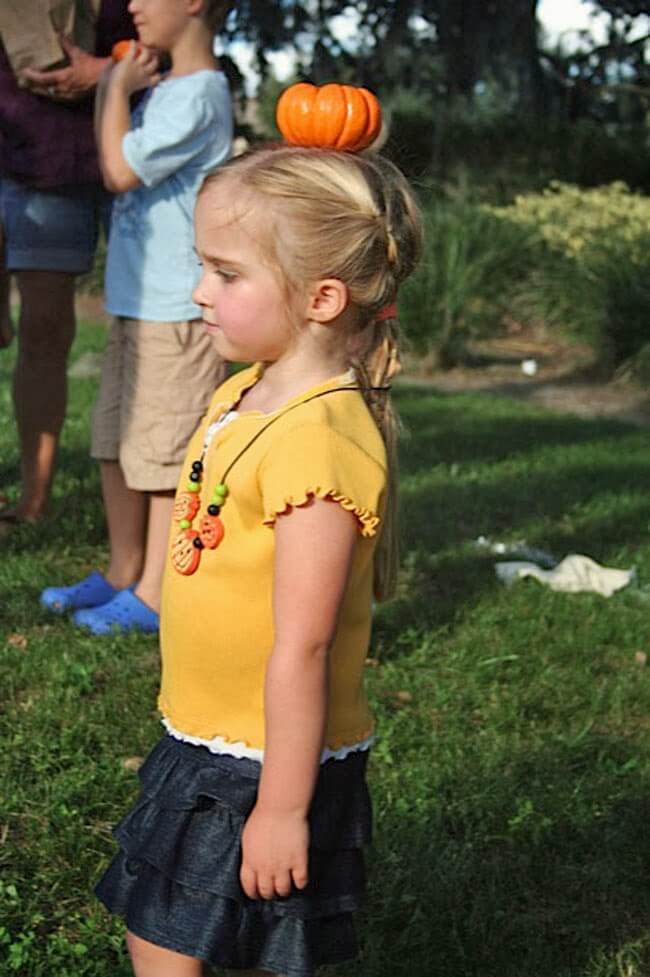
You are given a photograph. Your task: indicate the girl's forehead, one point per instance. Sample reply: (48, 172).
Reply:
(225, 203)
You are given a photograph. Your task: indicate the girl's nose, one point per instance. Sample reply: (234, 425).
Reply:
(197, 294)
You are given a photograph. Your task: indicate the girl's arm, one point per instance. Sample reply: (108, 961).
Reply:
(113, 115)
(314, 545)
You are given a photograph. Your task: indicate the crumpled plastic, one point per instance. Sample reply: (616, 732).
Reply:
(574, 574)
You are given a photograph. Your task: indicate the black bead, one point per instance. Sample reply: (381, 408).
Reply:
(196, 542)
(197, 466)
(213, 510)
(195, 476)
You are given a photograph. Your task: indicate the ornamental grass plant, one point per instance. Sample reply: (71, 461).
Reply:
(574, 261)
(511, 775)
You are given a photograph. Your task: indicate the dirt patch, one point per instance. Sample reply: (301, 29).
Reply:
(556, 376)
(524, 366)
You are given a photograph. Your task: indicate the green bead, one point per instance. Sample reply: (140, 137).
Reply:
(221, 490)
(185, 524)
(193, 487)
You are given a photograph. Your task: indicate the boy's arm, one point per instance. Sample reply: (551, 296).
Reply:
(314, 545)
(113, 115)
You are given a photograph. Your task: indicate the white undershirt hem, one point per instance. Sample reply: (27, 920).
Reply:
(239, 749)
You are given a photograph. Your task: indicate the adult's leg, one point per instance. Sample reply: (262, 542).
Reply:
(149, 960)
(149, 586)
(126, 516)
(45, 334)
(6, 325)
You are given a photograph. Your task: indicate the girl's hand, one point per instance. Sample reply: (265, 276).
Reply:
(138, 69)
(274, 853)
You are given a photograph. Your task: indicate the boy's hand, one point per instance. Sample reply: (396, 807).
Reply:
(274, 854)
(138, 69)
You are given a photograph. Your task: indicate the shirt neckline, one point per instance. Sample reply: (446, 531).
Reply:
(253, 375)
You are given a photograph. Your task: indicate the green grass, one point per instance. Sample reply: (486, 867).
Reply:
(512, 774)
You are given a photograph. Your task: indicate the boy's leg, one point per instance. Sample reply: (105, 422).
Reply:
(126, 516)
(149, 960)
(149, 586)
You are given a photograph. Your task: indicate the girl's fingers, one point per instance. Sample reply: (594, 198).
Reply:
(248, 880)
(258, 886)
(282, 884)
(265, 886)
(300, 876)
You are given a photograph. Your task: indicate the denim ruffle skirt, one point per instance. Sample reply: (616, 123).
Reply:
(175, 879)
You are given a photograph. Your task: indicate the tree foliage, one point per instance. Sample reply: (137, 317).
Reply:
(476, 83)
(450, 49)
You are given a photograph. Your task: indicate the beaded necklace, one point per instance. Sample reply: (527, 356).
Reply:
(188, 543)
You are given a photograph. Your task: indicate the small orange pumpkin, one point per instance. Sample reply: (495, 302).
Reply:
(121, 48)
(329, 116)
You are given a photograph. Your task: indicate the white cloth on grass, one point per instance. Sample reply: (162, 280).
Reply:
(574, 574)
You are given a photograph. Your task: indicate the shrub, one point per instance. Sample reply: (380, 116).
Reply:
(593, 279)
(465, 282)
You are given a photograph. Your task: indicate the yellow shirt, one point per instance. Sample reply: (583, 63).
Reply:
(217, 623)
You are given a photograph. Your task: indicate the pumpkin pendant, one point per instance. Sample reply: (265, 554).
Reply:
(185, 555)
(186, 506)
(211, 531)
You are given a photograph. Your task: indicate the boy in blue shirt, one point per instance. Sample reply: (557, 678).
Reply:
(159, 368)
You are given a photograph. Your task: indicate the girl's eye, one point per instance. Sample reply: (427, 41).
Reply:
(226, 276)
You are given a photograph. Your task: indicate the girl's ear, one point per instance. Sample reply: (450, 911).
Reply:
(327, 300)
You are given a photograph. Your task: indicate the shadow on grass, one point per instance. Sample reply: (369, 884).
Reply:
(591, 501)
(447, 428)
(521, 872)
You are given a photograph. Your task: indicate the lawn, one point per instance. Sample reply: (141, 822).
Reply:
(512, 773)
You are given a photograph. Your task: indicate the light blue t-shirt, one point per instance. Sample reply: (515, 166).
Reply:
(180, 131)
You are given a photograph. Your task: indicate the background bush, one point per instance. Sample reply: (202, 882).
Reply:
(593, 276)
(575, 260)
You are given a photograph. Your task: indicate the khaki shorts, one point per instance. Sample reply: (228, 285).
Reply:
(157, 380)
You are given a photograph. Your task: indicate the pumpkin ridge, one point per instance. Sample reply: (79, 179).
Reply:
(356, 119)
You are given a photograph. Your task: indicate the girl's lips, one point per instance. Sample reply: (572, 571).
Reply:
(210, 327)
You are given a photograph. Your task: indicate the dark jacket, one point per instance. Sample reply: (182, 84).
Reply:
(47, 144)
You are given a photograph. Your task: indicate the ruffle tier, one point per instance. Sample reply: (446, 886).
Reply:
(176, 877)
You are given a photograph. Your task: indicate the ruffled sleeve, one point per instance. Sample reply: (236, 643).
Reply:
(314, 461)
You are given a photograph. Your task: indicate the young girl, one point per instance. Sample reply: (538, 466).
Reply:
(245, 848)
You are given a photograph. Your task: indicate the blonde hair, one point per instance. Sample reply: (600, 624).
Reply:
(353, 218)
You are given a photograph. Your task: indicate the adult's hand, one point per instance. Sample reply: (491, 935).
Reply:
(67, 84)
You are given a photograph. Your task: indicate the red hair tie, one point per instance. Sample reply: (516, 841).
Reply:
(388, 312)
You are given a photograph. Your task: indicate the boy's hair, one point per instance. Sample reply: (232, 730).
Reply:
(354, 218)
(214, 13)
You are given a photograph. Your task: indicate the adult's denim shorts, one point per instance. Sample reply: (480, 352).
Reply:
(52, 230)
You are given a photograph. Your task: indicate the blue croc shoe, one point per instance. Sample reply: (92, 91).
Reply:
(89, 592)
(125, 613)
